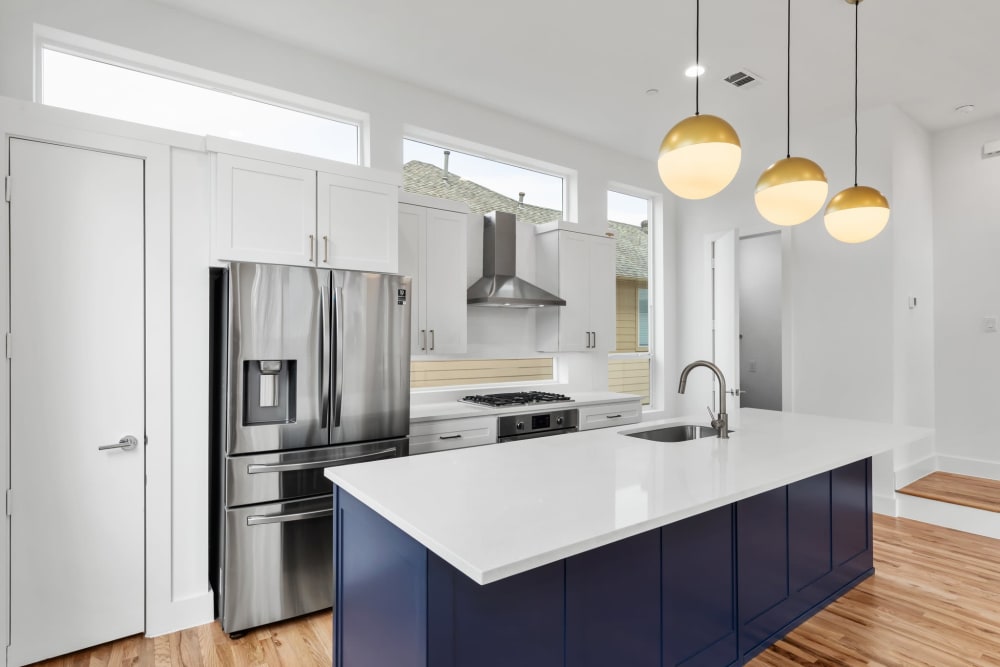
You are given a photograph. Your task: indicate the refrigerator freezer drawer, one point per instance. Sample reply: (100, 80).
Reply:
(262, 478)
(278, 562)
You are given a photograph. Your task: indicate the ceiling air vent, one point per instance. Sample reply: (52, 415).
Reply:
(744, 79)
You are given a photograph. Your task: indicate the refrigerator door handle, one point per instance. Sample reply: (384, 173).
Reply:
(324, 365)
(284, 518)
(257, 468)
(338, 396)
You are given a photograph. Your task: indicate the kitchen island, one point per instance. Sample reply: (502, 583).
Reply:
(597, 548)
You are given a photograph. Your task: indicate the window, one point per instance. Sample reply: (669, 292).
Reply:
(91, 86)
(482, 183)
(628, 365)
(485, 185)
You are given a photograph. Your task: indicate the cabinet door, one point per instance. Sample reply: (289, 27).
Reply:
(412, 255)
(574, 287)
(265, 212)
(602, 293)
(444, 281)
(357, 224)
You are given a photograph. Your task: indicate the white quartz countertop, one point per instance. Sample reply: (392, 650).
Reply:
(456, 409)
(495, 511)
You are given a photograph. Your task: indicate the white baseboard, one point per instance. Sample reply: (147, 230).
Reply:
(884, 504)
(964, 466)
(948, 515)
(914, 471)
(185, 613)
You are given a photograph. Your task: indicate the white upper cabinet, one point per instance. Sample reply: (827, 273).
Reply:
(580, 268)
(310, 213)
(356, 224)
(265, 212)
(432, 247)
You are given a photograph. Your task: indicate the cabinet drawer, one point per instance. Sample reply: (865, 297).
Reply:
(437, 436)
(609, 414)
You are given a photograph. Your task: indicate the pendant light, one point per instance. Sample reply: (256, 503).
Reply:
(794, 189)
(701, 154)
(860, 213)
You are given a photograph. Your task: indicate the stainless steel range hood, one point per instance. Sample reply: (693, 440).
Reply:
(499, 285)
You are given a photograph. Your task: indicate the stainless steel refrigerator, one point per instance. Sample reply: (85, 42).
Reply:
(310, 369)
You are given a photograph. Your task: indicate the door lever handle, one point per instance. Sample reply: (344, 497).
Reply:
(127, 443)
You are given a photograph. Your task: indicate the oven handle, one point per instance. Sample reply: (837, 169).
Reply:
(284, 518)
(256, 468)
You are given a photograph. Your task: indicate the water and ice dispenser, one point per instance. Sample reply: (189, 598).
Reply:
(268, 391)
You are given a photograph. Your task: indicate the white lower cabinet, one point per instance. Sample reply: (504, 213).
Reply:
(437, 436)
(606, 415)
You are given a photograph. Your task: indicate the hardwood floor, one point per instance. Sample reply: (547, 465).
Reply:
(934, 601)
(948, 487)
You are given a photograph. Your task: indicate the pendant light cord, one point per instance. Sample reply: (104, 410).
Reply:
(857, 4)
(788, 86)
(697, 54)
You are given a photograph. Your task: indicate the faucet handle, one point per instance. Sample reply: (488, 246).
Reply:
(710, 413)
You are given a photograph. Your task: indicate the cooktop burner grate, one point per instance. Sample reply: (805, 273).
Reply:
(516, 398)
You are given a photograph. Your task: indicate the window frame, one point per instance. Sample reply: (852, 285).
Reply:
(474, 149)
(53, 39)
(653, 352)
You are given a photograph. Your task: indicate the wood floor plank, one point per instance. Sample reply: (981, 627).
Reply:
(934, 602)
(948, 487)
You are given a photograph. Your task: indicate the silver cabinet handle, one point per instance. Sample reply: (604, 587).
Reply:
(614, 416)
(423, 339)
(594, 334)
(588, 340)
(449, 437)
(432, 338)
(326, 249)
(284, 518)
(312, 247)
(257, 468)
(127, 443)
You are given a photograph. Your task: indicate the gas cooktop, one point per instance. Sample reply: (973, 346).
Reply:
(515, 398)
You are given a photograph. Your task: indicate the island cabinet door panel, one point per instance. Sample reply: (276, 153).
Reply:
(381, 602)
(809, 542)
(762, 547)
(699, 591)
(514, 621)
(613, 604)
(851, 496)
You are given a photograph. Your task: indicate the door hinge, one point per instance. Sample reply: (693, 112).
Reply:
(10, 502)
(8, 344)
(6, 188)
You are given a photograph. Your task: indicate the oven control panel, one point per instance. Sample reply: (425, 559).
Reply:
(537, 423)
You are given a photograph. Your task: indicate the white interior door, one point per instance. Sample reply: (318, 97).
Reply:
(77, 383)
(726, 315)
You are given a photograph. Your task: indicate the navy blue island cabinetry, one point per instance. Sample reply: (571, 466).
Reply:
(711, 590)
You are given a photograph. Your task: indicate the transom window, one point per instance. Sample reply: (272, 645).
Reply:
(92, 86)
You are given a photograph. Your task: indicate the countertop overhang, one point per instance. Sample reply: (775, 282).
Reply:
(499, 510)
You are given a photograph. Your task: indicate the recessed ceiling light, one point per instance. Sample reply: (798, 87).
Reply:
(653, 91)
(694, 70)
(965, 108)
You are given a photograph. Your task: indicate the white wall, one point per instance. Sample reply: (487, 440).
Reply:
(149, 27)
(760, 320)
(966, 288)
(838, 355)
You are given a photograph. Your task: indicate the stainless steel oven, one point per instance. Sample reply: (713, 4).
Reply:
(537, 424)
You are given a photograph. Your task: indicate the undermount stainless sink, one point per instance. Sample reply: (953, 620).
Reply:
(679, 433)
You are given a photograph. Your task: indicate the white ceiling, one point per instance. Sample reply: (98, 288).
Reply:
(583, 66)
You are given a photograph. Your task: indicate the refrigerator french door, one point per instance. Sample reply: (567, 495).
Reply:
(310, 369)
